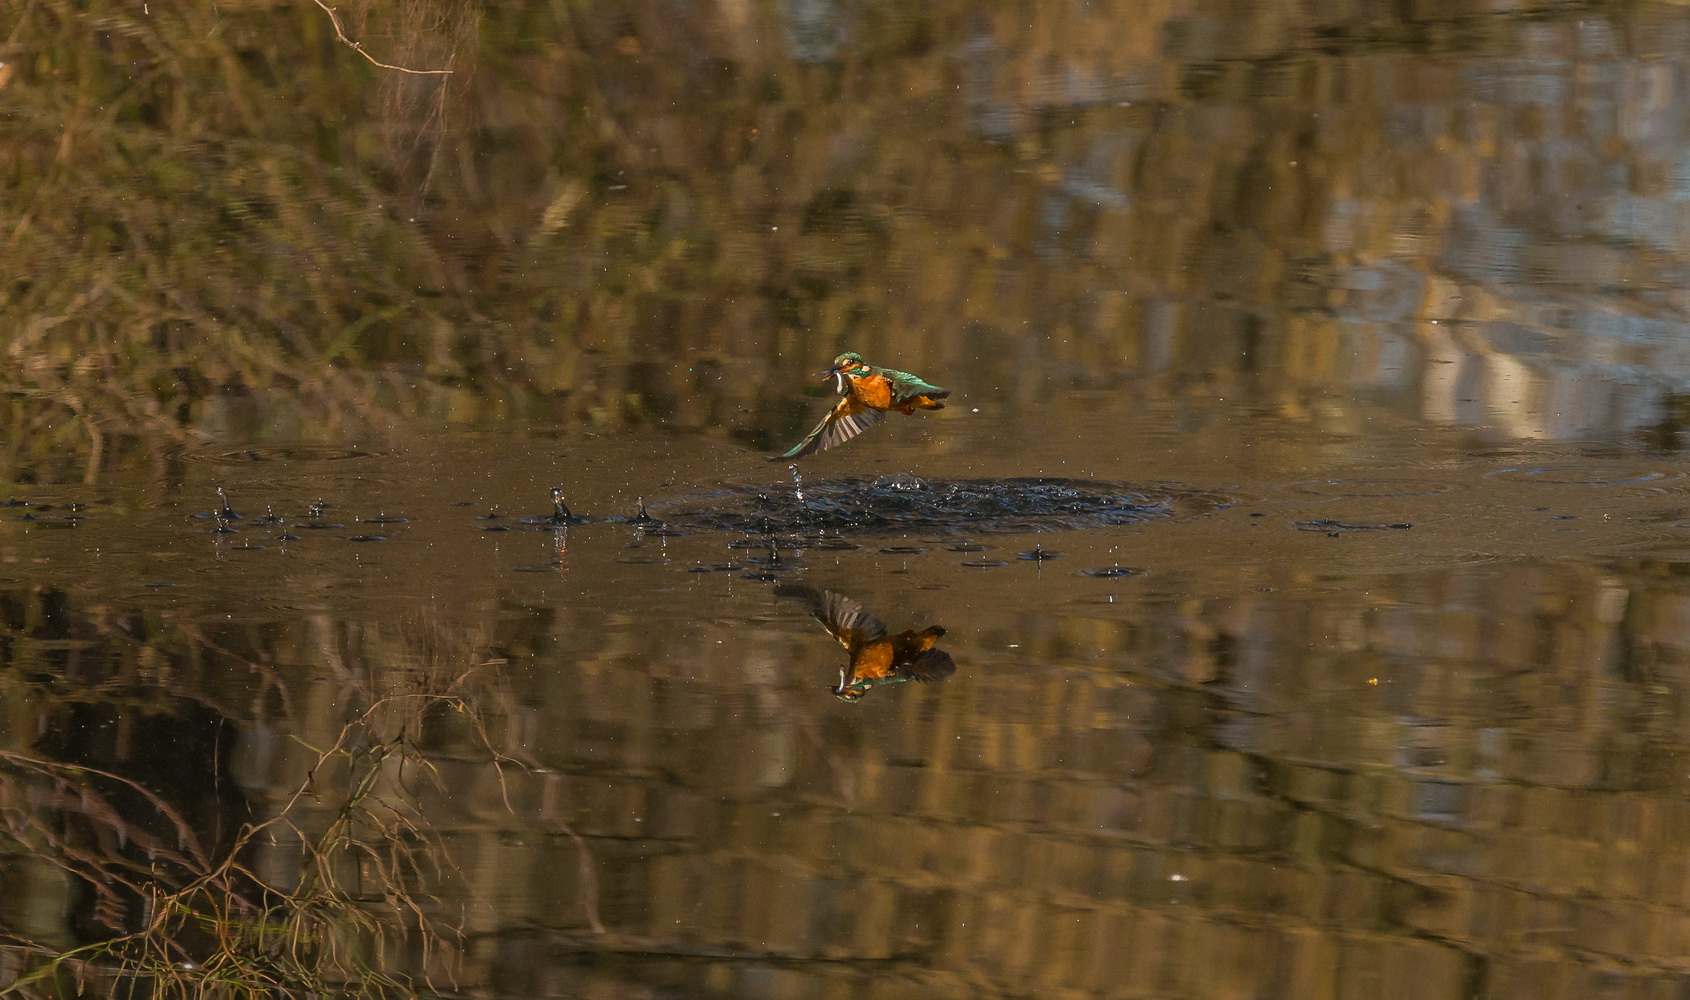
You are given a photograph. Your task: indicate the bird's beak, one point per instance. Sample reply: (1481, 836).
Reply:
(829, 373)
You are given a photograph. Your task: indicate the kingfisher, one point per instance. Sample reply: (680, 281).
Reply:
(876, 657)
(868, 392)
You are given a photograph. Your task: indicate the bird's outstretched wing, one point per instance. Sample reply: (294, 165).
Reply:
(844, 619)
(841, 424)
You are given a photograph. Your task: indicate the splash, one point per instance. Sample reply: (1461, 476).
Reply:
(797, 485)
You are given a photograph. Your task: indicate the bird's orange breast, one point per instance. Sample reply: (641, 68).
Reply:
(873, 661)
(873, 391)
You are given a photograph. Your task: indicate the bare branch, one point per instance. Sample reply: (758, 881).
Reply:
(358, 47)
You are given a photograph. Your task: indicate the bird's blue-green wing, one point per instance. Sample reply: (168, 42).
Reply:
(841, 424)
(907, 386)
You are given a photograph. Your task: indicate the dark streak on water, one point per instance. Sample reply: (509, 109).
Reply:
(900, 504)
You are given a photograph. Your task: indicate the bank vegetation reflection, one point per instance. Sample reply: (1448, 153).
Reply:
(189, 866)
(1467, 772)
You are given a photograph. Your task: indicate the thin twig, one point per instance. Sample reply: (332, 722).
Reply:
(358, 47)
(589, 879)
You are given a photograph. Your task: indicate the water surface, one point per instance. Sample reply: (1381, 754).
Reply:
(1351, 664)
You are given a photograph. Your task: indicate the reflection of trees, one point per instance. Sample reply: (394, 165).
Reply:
(1312, 763)
(213, 851)
(1466, 772)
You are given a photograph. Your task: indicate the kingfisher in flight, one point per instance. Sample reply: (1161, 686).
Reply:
(876, 657)
(869, 393)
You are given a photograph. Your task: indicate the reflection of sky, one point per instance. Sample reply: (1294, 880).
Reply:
(1534, 203)
(815, 29)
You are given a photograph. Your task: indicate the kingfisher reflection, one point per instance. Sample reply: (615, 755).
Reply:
(876, 657)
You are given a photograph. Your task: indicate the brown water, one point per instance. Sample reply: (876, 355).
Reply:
(1354, 662)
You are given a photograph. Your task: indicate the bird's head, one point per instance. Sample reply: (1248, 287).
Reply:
(851, 691)
(848, 364)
